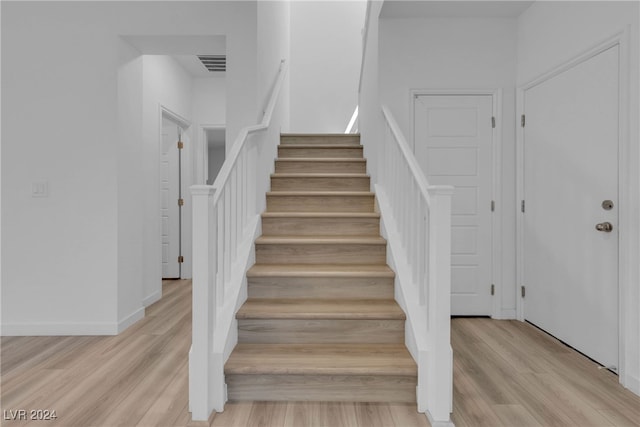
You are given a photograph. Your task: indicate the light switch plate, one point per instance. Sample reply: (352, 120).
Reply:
(40, 188)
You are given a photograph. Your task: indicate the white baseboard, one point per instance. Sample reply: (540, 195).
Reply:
(632, 383)
(508, 314)
(152, 298)
(130, 319)
(35, 329)
(59, 329)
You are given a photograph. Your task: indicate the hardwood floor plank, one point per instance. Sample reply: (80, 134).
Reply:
(267, 414)
(236, 414)
(140, 378)
(407, 415)
(515, 415)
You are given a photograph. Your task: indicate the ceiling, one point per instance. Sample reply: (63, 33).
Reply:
(454, 9)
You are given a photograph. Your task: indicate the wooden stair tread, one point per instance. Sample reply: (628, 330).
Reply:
(321, 240)
(322, 193)
(320, 215)
(320, 270)
(321, 359)
(323, 146)
(255, 308)
(321, 159)
(330, 135)
(318, 175)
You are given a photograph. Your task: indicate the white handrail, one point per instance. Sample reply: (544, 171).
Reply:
(415, 168)
(238, 144)
(225, 220)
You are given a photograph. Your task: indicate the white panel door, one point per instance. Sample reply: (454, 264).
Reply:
(169, 181)
(453, 144)
(570, 168)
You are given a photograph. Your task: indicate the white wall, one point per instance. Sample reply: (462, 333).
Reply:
(59, 253)
(71, 262)
(552, 33)
(131, 193)
(463, 53)
(326, 51)
(209, 108)
(274, 44)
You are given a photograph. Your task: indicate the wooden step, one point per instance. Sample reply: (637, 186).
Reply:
(321, 250)
(320, 281)
(321, 165)
(332, 388)
(320, 150)
(329, 201)
(315, 223)
(311, 321)
(322, 139)
(313, 309)
(321, 359)
(319, 182)
(321, 331)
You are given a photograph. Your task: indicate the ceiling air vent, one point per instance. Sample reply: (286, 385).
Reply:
(214, 62)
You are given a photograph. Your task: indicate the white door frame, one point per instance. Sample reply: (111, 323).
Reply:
(496, 218)
(185, 235)
(628, 241)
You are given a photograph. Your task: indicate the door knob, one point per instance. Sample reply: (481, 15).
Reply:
(604, 226)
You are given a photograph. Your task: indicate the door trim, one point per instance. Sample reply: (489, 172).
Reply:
(496, 184)
(627, 241)
(185, 218)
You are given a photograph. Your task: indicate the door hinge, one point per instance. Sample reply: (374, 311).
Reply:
(180, 202)
(493, 122)
(493, 206)
(493, 289)
(180, 145)
(180, 259)
(522, 206)
(522, 291)
(522, 120)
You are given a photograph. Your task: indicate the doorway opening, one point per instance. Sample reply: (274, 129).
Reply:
(172, 141)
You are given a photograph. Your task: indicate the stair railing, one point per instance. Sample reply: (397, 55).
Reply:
(225, 219)
(420, 215)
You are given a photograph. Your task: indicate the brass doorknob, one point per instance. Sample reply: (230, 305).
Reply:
(604, 226)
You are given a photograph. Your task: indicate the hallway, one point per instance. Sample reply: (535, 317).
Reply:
(506, 373)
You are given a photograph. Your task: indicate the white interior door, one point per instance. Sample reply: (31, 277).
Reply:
(453, 144)
(169, 209)
(570, 168)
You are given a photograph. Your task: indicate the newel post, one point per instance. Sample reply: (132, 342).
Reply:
(440, 358)
(204, 303)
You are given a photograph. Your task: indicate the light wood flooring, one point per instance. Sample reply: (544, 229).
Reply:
(506, 373)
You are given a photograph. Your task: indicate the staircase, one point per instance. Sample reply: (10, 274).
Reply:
(320, 322)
